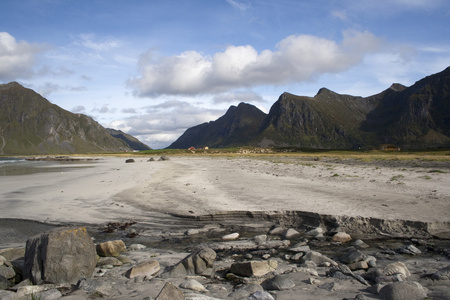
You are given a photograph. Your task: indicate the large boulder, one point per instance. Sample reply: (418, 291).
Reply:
(145, 269)
(62, 255)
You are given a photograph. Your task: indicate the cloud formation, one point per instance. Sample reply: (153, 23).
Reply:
(159, 125)
(17, 58)
(298, 58)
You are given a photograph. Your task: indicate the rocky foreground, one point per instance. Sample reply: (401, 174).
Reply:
(273, 262)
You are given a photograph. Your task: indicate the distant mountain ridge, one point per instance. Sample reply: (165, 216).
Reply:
(130, 140)
(31, 125)
(409, 117)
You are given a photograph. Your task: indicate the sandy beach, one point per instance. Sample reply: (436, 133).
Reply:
(109, 189)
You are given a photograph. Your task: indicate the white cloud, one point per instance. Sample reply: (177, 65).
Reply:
(238, 5)
(162, 124)
(78, 109)
(340, 14)
(91, 42)
(17, 58)
(236, 97)
(298, 58)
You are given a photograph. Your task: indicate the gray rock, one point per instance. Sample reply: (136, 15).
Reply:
(246, 291)
(198, 263)
(253, 268)
(7, 272)
(193, 285)
(130, 160)
(290, 234)
(278, 283)
(146, 269)
(4, 283)
(442, 274)
(300, 249)
(360, 244)
(52, 294)
(7, 295)
(231, 236)
(277, 231)
(409, 249)
(94, 286)
(62, 255)
(103, 261)
(12, 253)
(318, 258)
(403, 290)
(352, 256)
(396, 268)
(170, 292)
(331, 286)
(315, 232)
(261, 295)
(163, 158)
(260, 238)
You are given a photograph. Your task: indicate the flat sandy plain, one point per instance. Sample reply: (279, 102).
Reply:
(109, 189)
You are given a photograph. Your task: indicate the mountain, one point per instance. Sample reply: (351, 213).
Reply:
(30, 124)
(131, 141)
(232, 129)
(409, 117)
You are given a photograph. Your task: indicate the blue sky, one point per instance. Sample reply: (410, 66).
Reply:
(155, 68)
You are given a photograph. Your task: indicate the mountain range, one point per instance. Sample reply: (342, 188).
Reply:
(414, 117)
(30, 125)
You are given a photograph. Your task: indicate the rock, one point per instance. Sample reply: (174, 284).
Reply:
(193, 285)
(246, 291)
(62, 255)
(253, 268)
(124, 260)
(260, 238)
(52, 294)
(360, 265)
(231, 236)
(318, 258)
(7, 295)
(4, 283)
(361, 297)
(341, 237)
(163, 158)
(4, 261)
(278, 283)
(371, 261)
(403, 290)
(277, 231)
(352, 256)
(261, 295)
(442, 274)
(130, 160)
(290, 234)
(101, 288)
(103, 261)
(12, 253)
(409, 249)
(300, 249)
(360, 244)
(331, 286)
(198, 263)
(297, 256)
(7, 272)
(136, 247)
(170, 292)
(111, 248)
(390, 278)
(145, 269)
(151, 159)
(396, 268)
(315, 232)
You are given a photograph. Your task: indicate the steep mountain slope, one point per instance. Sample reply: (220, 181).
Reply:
(131, 141)
(409, 117)
(232, 129)
(29, 124)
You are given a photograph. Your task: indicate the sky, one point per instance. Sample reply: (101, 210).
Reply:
(153, 68)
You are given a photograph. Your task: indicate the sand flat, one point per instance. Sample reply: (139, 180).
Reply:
(198, 185)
